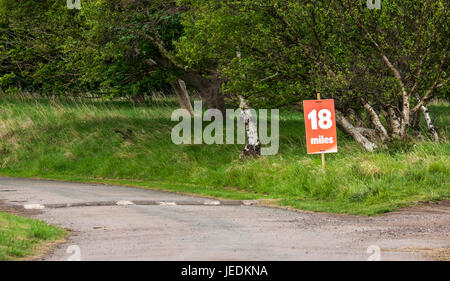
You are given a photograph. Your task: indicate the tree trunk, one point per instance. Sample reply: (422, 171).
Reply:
(415, 125)
(382, 132)
(213, 96)
(354, 132)
(406, 111)
(430, 124)
(253, 146)
(209, 89)
(394, 123)
(183, 96)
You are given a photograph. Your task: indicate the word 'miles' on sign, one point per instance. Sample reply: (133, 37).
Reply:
(320, 123)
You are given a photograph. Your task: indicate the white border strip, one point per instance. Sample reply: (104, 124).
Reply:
(124, 203)
(34, 207)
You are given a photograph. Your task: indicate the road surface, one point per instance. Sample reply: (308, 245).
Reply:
(122, 223)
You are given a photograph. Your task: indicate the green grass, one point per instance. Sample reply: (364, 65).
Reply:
(79, 142)
(24, 237)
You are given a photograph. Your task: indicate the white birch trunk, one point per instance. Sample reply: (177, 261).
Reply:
(376, 122)
(354, 132)
(395, 124)
(430, 124)
(253, 146)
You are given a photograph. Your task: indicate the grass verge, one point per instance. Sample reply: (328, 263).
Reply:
(22, 238)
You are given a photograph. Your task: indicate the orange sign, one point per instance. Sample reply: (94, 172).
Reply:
(320, 123)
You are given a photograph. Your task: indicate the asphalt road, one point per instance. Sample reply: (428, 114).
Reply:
(121, 223)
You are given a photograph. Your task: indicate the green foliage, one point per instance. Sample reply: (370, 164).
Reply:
(114, 60)
(288, 48)
(45, 47)
(292, 49)
(32, 38)
(269, 73)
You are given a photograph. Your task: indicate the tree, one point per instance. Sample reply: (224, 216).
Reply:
(380, 66)
(32, 35)
(156, 23)
(112, 48)
(115, 62)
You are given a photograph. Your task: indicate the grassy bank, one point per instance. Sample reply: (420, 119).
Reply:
(23, 237)
(92, 142)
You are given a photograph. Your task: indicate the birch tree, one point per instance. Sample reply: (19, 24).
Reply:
(382, 67)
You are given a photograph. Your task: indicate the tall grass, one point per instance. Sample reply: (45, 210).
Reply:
(125, 142)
